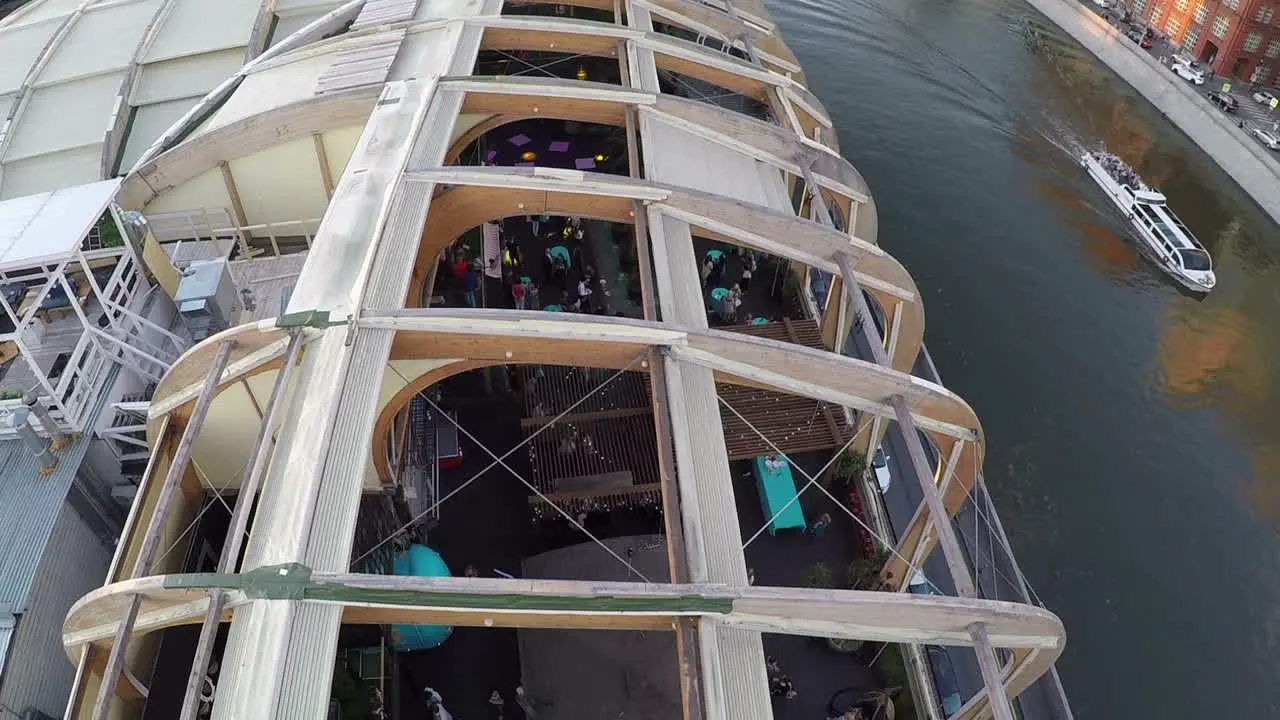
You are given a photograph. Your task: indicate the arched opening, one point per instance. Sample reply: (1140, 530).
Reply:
(548, 142)
(556, 263)
(540, 63)
(834, 553)
(601, 11)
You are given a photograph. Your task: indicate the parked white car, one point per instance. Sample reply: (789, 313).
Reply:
(1263, 97)
(880, 463)
(1104, 4)
(1270, 138)
(1188, 73)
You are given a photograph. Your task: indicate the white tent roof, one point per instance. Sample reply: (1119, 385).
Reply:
(49, 226)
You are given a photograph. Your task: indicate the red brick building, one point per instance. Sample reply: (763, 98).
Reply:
(1237, 38)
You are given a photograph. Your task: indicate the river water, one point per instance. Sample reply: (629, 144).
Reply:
(1134, 442)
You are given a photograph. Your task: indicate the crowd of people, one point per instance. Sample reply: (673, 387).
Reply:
(780, 685)
(727, 306)
(1116, 168)
(562, 282)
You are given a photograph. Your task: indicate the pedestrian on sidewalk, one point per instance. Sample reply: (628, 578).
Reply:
(518, 292)
(498, 701)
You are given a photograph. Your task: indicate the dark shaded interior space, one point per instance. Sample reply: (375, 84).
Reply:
(493, 525)
(560, 265)
(545, 142)
(178, 644)
(681, 85)
(825, 554)
(566, 66)
(564, 11)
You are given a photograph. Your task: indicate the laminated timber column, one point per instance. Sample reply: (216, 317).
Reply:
(278, 661)
(734, 684)
(734, 681)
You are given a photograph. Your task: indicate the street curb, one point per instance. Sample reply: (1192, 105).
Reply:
(1252, 167)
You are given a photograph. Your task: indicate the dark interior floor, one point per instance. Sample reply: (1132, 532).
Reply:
(763, 296)
(817, 671)
(487, 525)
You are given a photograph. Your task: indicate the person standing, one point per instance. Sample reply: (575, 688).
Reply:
(470, 281)
(820, 525)
(435, 705)
(518, 292)
(706, 271)
(745, 282)
(533, 300)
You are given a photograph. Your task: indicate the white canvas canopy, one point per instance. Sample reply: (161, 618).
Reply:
(50, 226)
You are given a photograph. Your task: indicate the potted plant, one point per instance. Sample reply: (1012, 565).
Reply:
(818, 576)
(851, 465)
(863, 573)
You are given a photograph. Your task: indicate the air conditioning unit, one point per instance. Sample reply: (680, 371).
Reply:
(207, 298)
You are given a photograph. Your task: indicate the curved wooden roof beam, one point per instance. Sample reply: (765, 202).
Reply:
(481, 194)
(601, 40)
(698, 17)
(174, 600)
(489, 337)
(244, 137)
(525, 97)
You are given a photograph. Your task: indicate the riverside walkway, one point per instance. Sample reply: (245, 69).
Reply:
(1253, 167)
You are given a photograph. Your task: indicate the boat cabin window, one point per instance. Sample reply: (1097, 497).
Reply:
(1195, 260)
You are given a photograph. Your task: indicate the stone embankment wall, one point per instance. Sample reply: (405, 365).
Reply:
(1251, 165)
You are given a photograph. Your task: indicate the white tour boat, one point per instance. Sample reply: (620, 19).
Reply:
(1173, 245)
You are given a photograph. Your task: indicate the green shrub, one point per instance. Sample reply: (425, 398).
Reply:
(818, 576)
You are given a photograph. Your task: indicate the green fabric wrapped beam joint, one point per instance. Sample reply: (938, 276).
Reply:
(294, 582)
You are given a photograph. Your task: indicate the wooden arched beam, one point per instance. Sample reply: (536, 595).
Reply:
(670, 11)
(243, 137)
(462, 207)
(527, 97)
(486, 338)
(670, 53)
(1035, 634)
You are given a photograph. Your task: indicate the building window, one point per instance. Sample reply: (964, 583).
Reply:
(1260, 74)
(1264, 14)
(1233, 4)
(1252, 42)
(1220, 27)
(1139, 5)
(1182, 5)
(1273, 48)
(1202, 14)
(1156, 12)
(1172, 27)
(1189, 40)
